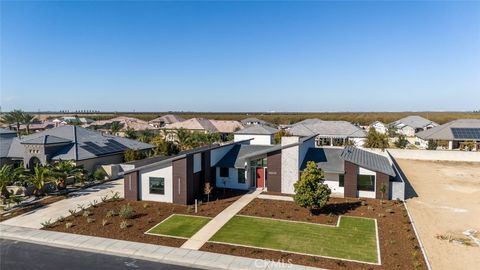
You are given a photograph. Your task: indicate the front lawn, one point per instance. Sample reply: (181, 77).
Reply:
(353, 239)
(183, 226)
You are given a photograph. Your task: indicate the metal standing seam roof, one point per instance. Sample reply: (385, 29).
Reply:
(6, 138)
(236, 157)
(444, 132)
(258, 130)
(368, 160)
(327, 159)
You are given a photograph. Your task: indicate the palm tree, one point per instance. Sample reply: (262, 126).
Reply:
(130, 133)
(15, 117)
(115, 127)
(183, 139)
(8, 175)
(27, 120)
(63, 169)
(40, 177)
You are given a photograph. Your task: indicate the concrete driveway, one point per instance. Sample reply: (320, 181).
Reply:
(53, 211)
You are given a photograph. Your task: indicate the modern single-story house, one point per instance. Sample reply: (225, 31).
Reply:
(379, 127)
(329, 133)
(85, 147)
(6, 138)
(452, 135)
(350, 172)
(410, 125)
(164, 120)
(260, 134)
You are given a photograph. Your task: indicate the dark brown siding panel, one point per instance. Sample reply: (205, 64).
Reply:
(190, 187)
(274, 164)
(350, 187)
(180, 181)
(382, 179)
(131, 186)
(206, 167)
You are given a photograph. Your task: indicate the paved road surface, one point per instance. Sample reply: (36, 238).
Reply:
(15, 255)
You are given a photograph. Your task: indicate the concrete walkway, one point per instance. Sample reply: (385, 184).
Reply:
(205, 233)
(168, 255)
(275, 197)
(33, 219)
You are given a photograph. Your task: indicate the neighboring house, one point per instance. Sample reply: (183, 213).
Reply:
(261, 134)
(6, 138)
(125, 123)
(164, 120)
(379, 127)
(68, 120)
(350, 172)
(85, 147)
(410, 125)
(329, 133)
(224, 127)
(36, 127)
(452, 135)
(255, 121)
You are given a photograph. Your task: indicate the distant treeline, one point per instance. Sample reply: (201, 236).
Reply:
(362, 118)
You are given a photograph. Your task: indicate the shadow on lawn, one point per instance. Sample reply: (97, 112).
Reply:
(337, 208)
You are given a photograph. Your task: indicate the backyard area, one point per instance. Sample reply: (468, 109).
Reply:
(446, 205)
(353, 239)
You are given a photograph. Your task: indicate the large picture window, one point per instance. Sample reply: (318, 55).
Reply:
(223, 172)
(241, 176)
(341, 180)
(366, 182)
(157, 185)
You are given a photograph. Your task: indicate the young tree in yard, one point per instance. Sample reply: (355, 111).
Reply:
(383, 190)
(7, 177)
(401, 142)
(432, 145)
(207, 190)
(40, 177)
(376, 140)
(278, 136)
(115, 127)
(130, 133)
(310, 191)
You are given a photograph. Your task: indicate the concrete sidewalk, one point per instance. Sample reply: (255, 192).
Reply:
(53, 211)
(168, 255)
(205, 233)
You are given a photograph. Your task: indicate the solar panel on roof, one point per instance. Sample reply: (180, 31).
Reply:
(466, 133)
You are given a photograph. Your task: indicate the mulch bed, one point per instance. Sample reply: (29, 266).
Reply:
(398, 246)
(30, 207)
(147, 215)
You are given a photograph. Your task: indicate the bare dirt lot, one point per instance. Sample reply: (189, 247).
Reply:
(447, 204)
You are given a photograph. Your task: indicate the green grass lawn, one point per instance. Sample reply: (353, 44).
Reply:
(354, 239)
(180, 226)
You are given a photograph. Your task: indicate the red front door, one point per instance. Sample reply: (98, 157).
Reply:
(260, 178)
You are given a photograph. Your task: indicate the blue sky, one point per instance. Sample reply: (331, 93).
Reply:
(240, 56)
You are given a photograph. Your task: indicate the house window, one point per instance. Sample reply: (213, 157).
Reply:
(223, 172)
(241, 176)
(366, 182)
(341, 180)
(157, 185)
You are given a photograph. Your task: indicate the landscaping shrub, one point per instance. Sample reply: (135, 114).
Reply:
(86, 213)
(124, 224)
(68, 225)
(104, 222)
(47, 223)
(99, 174)
(126, 212)
(73, 212)
(110, 213)
(310, 191)
(90, 220)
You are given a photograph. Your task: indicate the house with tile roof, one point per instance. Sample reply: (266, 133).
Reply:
(412, 124)
(329, 133)
(164, 120)
(452, 135)
(223, 127)
(126, 123)
(85, 147)
(349, 172)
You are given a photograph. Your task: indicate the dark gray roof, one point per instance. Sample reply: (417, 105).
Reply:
(7, 131)
(342, 129)
(253, 120)
(236, 157)
(328, 159)
(46, 139)
(367, 160)
(85, 143)
(258, 130)
(444, 132)
(6, 138)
